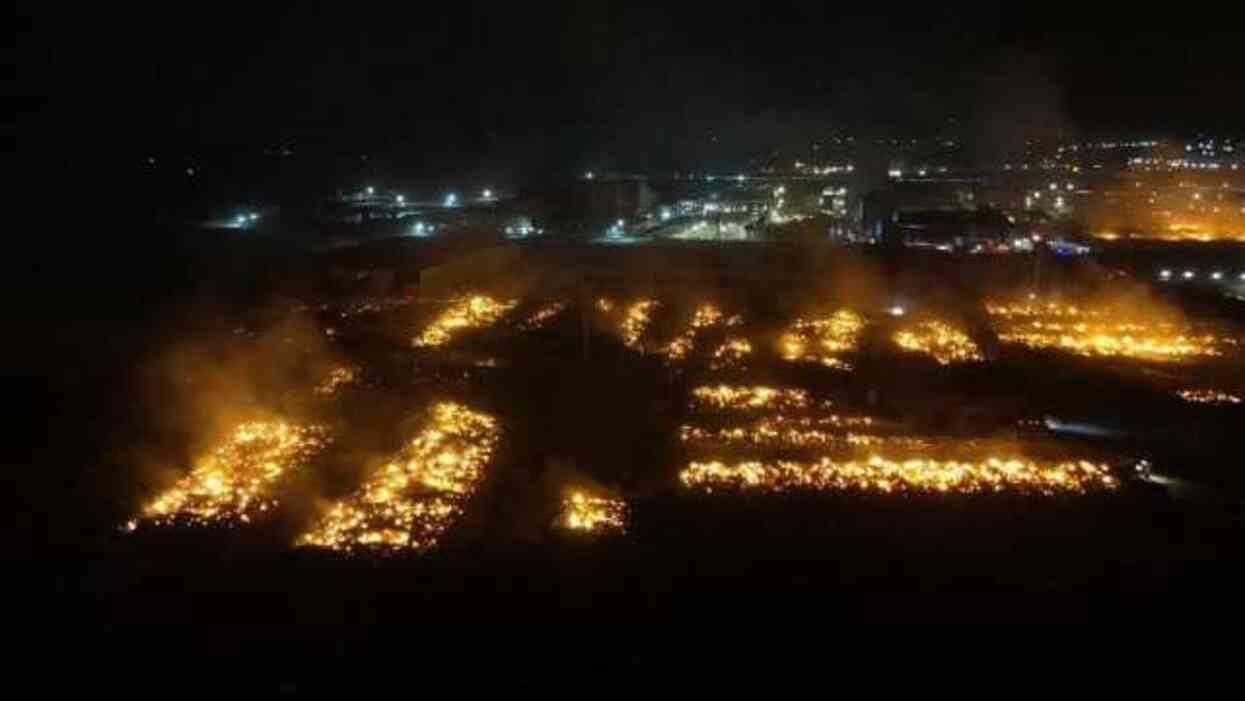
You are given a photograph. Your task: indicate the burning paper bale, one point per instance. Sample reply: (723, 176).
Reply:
(941, 341)
(707, 316)
(1100, 331)
(590, 514)
(730, 354)
(409, 503)
(823, 341)
(749, 398)
(878, 474)
(240, 478)
(636, 321)
(464, 313)
(1208, 396)
(338, 379)
(541, 317)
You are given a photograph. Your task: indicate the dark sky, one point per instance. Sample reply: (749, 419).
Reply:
(549, 86)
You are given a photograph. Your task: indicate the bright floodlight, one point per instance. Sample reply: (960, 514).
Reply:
(371, 190)
(1216, 275)
(897, 310)
(451, 200)
(1165, 274)
(488, 194)
(1188, 274)
(401, 199)
(620, 223)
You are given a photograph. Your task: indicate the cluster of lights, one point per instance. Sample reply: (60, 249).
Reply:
(749, 398)
(707, 316)
(238, 480)
(941, 341)
(824, 341)
(409, 503)
(584, 513)
(1098, 331)
(541, 317)
(463, 313)
(1215, 276)
(1208, 396)
(878, 474)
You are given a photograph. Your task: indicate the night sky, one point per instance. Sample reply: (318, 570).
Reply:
(558, 86)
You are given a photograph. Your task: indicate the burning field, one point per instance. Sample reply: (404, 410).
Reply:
(757, 413)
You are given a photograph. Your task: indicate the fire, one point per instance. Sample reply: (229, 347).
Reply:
(635, 323)
(744, 398)
(1100, 331)
(706, 316)
(823, 341)
(589, 514)
(1208, 396)
(409, 503)
(790, 433)
(463, 313)
(239, 479)
(731, 353)
(943, 342)
(878, 474)
(337, 379)
(543, 316)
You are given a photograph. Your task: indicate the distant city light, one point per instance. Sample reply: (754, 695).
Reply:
(254, 216)
(451, 200)
(1165, 274)
(665, 214)
(371, 190)
(897, 310)
(488, 194)
(589, 175)
(1188, 274)
(741, 177)
(401, 199)
(620, 224)
(1216, 275)
(895, 173)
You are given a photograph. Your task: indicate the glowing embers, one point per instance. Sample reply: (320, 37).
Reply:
(541, 317)
(785, 432)
(410, 502)
(338, 379)
(749, 398)
(590, 514)
(1208, 396)
(730, 354)
(823, 341)
(878, 474)
(239, 479)
(463, 313)
(706, 316)
(941, 341)
(1100, 332)
(636, 321)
